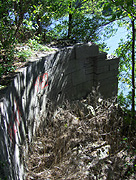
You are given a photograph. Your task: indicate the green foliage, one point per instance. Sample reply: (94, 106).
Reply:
(86, 28)
(124, 52)
(36, 46)
(7, 38)
(24, 54)
(6, 57)
(124, 12)
(103, 46)
(31, 45)
(124, 101)
(78, 20)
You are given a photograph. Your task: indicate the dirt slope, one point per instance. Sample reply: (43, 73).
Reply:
(81, 142)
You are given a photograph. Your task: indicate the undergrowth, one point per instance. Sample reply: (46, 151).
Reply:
(17, 56)
(25, 50)
(83, 141)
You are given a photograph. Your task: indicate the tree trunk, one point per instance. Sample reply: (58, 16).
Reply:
(19, 10)
(133, 68)
(39, 30)
(70, 24)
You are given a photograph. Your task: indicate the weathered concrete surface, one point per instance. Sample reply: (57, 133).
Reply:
(67, 74)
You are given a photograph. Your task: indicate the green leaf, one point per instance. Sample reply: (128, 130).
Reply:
(129, 15)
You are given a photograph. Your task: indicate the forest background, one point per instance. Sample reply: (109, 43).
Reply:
(36, 22)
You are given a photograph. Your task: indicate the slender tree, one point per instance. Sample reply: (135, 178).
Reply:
(133, 63)
(125, 11)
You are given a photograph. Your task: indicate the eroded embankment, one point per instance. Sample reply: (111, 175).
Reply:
(82, 142)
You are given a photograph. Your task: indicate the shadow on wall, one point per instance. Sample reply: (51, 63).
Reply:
(22, 106)
(66, 74)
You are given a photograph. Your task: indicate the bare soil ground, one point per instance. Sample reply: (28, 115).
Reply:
(83, 142)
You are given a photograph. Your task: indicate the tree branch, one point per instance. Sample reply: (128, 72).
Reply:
(122, 7)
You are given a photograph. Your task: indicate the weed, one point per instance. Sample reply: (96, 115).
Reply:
(76, 144)
(24, 55)
(36, 46)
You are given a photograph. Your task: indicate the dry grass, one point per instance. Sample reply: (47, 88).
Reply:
(83, 142)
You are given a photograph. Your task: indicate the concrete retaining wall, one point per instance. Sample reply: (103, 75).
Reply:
(67, 74)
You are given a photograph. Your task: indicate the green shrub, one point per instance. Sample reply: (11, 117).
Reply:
(24, 55)
(36, 46)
